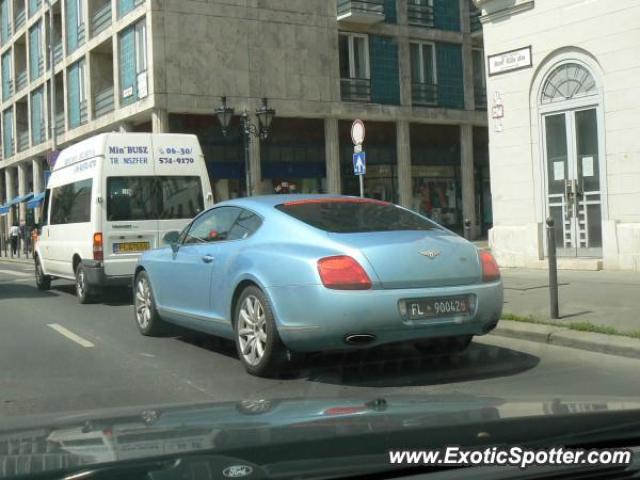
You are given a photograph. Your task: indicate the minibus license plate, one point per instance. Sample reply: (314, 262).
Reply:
(130, 247)
(424, 308)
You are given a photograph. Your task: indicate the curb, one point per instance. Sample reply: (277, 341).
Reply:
(565, 337)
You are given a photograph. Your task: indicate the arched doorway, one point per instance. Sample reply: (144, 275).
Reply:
(570, 105)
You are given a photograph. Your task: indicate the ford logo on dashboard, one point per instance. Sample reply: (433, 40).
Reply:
(430, 253)
(237, 471)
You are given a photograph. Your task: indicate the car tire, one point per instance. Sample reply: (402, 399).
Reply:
(257, 341)
(145, 312)
(444, 346)
(84, 291)
(43, 282)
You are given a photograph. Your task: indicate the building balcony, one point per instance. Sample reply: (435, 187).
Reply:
(474, 20)
(355, 89)
(58, 53)
(60, 124)
(21, 80)
(366, 12)
(420, 14)
(424, 94)
(23, 140)
(101, 19)
(104, 102)
(20, 18)
(480, 97)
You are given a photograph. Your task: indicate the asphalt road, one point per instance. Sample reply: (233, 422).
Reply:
(60, 357)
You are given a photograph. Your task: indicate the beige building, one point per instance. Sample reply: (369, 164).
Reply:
(411, 69)
(564, 102)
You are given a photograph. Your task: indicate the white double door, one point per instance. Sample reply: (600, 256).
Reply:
(574, 194)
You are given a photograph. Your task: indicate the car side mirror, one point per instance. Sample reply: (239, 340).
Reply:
(171, 238)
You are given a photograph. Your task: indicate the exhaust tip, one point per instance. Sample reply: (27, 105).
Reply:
(359, 339)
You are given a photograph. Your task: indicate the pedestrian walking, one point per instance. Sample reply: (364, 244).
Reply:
(14, 235)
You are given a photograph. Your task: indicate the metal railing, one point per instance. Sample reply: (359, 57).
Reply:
(9, 90)
(6, 32)
(58, 53)
(369, 7)
(474, 18)
(101, 19)
(424, 94)
(84, 112)
(355, 89)
(20, 18)
(39, 70)
(81, 32)
(104, 102)
(480, 97)
(60, 123)
(21, 80)
(420, 13)
(10, 149)
(23, 140)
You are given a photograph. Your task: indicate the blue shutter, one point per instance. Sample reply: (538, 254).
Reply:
(450, 75)
(6, 22)
(34, 52)
(6, 76)
(34, 5)
(37, 104)
(127, 49)
(72, 26)
(385, 75)
(390, 11)
(124, 7)
(7, 133)
(74, 95)
(447, 15)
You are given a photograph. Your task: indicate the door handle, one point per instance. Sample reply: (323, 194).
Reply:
(207, 259)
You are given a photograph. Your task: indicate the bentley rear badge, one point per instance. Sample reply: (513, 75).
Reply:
(430, 253)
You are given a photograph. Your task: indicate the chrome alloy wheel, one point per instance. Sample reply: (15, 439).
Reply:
(252, 330)
(143, 302)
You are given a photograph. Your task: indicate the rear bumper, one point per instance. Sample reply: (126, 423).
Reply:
(97, 277)
(314, 318)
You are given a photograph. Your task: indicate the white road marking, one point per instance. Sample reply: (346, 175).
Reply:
(70, 335)
(16, 273)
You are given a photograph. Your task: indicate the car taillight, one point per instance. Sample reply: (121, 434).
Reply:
(98, 250)
(343, 273)
(343, 410)
(490, 269)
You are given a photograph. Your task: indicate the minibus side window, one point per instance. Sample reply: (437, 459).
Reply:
(71, 203)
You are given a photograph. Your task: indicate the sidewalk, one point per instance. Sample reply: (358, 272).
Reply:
(22, 259)
(604, 298)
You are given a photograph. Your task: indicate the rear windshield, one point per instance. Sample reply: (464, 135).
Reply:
(153, 198)
(354, 216)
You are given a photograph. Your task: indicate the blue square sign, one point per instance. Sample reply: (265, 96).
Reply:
(359, 163)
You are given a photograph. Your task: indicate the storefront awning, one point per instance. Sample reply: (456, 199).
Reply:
(36, 201)
(20, 199)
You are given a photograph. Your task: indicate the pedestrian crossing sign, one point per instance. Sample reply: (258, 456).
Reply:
(359, 163)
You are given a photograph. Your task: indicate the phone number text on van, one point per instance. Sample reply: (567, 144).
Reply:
(176, 161)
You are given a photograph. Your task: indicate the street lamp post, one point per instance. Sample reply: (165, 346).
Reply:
(261, 131)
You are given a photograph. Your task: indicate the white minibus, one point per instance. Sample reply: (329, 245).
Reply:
(112, 196)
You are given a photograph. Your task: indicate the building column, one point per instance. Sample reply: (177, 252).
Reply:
(22, 190)
(9, 177)
(159, 121)
(332, 155)
(255, 165)
(403, 146)
(36, 166)
(467, 173)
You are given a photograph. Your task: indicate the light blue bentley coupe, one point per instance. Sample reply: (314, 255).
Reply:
(286, 274)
